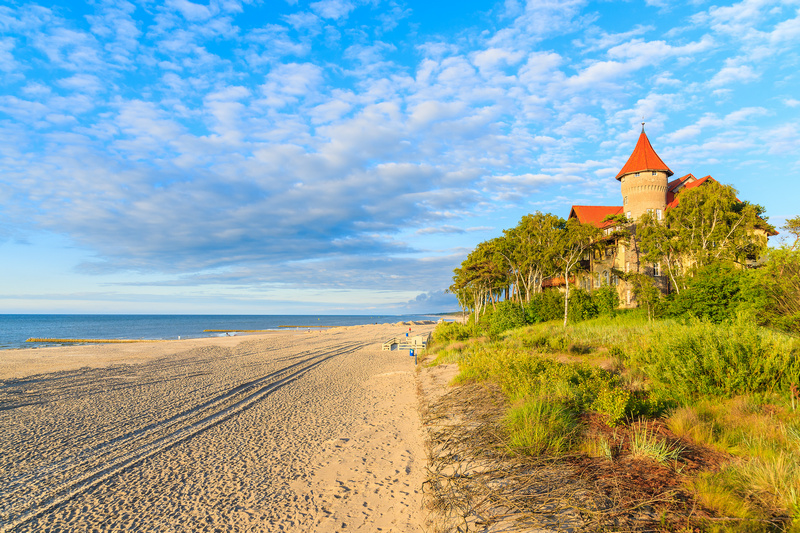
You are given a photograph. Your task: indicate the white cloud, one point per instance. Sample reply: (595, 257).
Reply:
(82, 82)
(733, 73)
(332, 9)
(191, 11)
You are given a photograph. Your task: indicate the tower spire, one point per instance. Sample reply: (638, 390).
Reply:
(643, 158)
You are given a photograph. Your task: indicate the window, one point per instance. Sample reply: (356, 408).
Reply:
(625, 200)
(614, 280)
(654, 173)
(628, 215)
(609, 251)
(636, 174)
(605, 277)
(650, 212)
(658, 214)
(657, 269)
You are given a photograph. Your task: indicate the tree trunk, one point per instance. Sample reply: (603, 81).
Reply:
(566, 295)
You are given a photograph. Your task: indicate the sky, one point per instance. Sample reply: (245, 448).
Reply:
(343, 156)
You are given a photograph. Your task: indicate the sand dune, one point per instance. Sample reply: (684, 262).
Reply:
(290, 431)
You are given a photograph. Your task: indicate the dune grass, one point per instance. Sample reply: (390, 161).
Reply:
(729, 387)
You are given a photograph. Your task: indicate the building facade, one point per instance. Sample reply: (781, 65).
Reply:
(645, 187)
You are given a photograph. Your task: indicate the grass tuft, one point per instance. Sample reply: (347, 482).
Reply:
(646, 443)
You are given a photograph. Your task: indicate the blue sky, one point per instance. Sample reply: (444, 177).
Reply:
(341, 156)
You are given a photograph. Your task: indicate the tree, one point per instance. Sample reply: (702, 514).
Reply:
(793, 227)
(711, 224)
(531, 247)
(660, 243)
(574, 241)
(480, 275)
(645, 291)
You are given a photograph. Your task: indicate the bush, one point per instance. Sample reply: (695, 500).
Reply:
(714, 294)
(581, 306)
(780, 281)
(446, 332)
(701, 358)
(506, 315)
(614, 404)
(545, 306)
(607, 300)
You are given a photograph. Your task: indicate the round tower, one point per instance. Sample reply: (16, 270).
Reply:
(643, 181)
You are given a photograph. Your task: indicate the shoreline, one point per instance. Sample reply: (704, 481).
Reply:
(59, 330)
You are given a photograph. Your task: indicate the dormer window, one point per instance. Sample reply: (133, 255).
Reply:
(637, 174)
(654, 173)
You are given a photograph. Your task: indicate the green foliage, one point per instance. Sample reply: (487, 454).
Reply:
(507, 315)
(792, 227)
(705, 359)
(544, 306)
(446, 332)
(710, 224)
(606, 299)
(576, 240)
(614, 404)
(539, 426)
(780, 280)
(646, 293)
(714, 294)
(582, 305)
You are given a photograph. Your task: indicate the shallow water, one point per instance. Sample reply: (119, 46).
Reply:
(16, 329)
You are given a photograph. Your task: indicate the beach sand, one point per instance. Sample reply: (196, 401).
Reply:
(287, 431)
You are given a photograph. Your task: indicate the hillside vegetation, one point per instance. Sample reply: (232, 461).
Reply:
(664, 391)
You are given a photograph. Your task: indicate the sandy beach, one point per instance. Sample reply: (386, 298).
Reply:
(287, 431)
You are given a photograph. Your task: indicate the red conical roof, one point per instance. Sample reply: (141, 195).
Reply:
(643, 158)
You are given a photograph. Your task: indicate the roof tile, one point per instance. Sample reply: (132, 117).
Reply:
(643, 158)
(594, 214)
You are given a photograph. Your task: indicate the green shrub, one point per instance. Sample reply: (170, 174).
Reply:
(714, 294)
(614, 404)
(581, 306)
(606, 299)
(702, 358)
(446, 332)
(545, 306)
(507, 315)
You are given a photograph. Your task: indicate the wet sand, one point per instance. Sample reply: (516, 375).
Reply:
(287, 431)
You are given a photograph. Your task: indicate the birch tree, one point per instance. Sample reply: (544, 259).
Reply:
(576, 239)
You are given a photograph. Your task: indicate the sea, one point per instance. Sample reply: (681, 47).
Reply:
(15, 330)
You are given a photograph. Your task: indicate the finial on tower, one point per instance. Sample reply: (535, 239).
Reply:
(642, 124)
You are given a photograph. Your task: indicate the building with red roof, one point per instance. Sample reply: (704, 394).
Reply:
(646, 188)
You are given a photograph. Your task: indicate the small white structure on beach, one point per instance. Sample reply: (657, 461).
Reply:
(417, 342)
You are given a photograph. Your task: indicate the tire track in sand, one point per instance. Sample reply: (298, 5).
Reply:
(98, 464)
